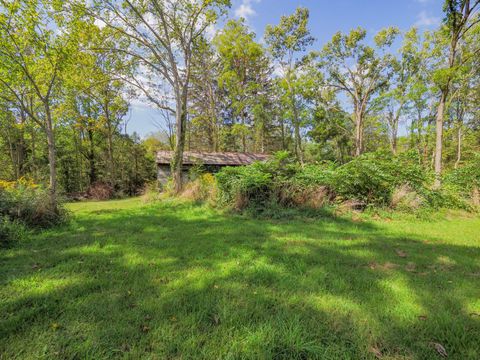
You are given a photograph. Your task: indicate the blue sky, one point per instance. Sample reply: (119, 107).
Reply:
(326, 18)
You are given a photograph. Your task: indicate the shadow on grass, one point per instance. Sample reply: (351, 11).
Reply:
(181, 281)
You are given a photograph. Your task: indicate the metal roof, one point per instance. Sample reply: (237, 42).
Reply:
(212, 158)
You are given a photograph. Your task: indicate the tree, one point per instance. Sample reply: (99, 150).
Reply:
(460, 18)
(332, 129)
(394, 98)
(160, 37)
(358, 70)
(36, 46)
(286, 40)
(243, 62)
(205, 98)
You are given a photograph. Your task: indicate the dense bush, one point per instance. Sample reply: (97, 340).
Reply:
(278, 182)
(465, 181)
(245, 185)
(372, 178)
(29, 204)
(10, 231)
(375, 179)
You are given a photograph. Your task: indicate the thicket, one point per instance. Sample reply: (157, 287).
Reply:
(25, 205)
(371, 180)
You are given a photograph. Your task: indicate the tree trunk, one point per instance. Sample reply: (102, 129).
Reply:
(394, 125)
(439, 139)
(393, 143)
(51, 156)
(244, 140)
(459, 146)
(34, 154)
(296, 125)
(110, 147)
(358, 132)
(91, 158)
(181, 120)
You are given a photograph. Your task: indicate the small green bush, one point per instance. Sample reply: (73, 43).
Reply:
(364, 179)
(10, 231)
(245, 185)
(465, 181)
(30, 204)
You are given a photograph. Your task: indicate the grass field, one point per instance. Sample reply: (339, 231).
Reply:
(182, 281)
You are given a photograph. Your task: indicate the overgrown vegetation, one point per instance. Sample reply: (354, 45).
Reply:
(375, 179)
(24, 204)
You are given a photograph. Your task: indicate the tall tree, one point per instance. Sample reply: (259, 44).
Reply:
(394, 99)
(206, 98)
(37, 42)
(242, 60)
(460, 18)
(161, 38)
(358, 70)
(286, 41)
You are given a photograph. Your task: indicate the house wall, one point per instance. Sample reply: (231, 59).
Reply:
(164, 173)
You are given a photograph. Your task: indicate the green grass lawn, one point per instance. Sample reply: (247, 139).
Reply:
(182, 281)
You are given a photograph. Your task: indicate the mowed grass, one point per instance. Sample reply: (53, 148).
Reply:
(182, 281)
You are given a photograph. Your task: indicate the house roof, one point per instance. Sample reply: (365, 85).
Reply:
(212, 158)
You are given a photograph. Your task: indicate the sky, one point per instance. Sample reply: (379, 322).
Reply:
(326, 18)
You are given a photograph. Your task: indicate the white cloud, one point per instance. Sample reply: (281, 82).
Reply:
(100, 23)
(211, 31)
(246, 9)
(423, 19)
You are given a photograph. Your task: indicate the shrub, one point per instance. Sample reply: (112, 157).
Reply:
(30, 204)
(446, 197)
(465, 181)
(151, 192)
(10, 231)
(100, 191)
(245, 186)
(200, 189)
(374, 179)
(364, 179)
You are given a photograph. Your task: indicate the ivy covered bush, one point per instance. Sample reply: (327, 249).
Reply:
(374, 179)
(465, 181)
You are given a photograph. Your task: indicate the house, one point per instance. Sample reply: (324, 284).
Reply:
(211, 161)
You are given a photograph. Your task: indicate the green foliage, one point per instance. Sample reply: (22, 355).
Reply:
(371, 179)
(239, 186)
(364, 179)
(11, 231)
(291, 35)
(465, 179)
(31, 205)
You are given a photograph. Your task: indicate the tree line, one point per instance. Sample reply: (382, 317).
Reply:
(69, 71)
